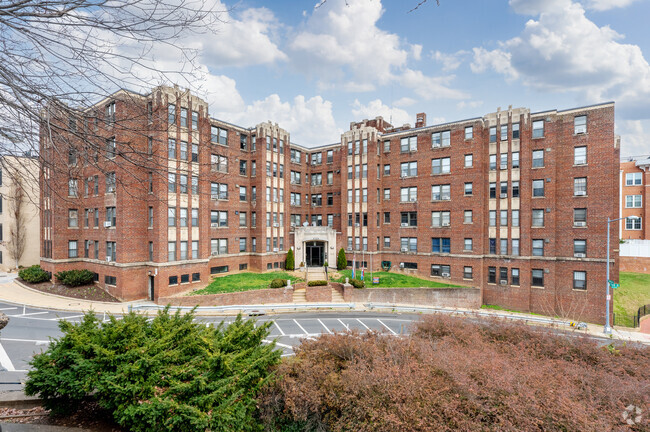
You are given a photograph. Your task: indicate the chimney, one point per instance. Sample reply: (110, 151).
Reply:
(420, 120)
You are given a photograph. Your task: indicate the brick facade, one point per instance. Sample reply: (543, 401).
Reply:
(352, 179)
(635, 196)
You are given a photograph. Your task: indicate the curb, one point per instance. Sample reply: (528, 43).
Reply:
(18, 399)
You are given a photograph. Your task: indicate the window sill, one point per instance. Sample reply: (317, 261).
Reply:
(468, 195)
(580, 165)
(440, 174)
(537, 227)
(468, 167)
(435, 201)
(73, 227)
(581, 196)
(579, 289)
(538, 138)
(537, 287)
(538, 197)
(440, 227)
(539, 167)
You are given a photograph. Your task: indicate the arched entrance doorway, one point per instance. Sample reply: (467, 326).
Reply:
(315, 253)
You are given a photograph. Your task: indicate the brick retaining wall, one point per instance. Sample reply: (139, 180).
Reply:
(469, 298)
(634, 264)
(263, 296)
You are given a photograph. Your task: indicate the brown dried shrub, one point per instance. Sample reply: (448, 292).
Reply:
(455, 374)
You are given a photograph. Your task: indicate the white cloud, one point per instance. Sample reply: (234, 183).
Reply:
(603, 5)
(449, 62)
(309, 121)
(635, 137)
(430, 87)
(242, 42)
(340, 38)
(496, 59)
(469, 104)
(416, 51)
(536, 7)
(404, 101)
(395, 116)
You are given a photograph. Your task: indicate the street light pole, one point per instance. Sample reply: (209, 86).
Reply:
(608, 328)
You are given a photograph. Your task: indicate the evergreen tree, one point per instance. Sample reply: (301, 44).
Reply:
(290, 262)
(341, 261)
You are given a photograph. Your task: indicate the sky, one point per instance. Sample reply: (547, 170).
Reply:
(313, 68)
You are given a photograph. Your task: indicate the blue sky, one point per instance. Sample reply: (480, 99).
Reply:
(315, 69)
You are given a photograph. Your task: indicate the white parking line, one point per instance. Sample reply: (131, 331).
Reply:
(301, 327)
(361, 322)
(276, 324)
(278, 344)
(344, 325)
(321, 322)
(37, 342)
(65, 318)
(5, 361)
(390, 329)
(28, 314)
(10, 308)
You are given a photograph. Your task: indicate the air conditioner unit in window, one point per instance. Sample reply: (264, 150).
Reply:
(276, 225)
(275, 249)
(445, 275)
(275, 200)
(214, 225)
(503, 166)
(580, 224)
(356, 224)
(579, 255)
(445, 224)
(503, 282)
(446, 197)
(405, 249)
(293, 224)
(504, 195)
(581, 193)
(404, 224)
(108, 259)
(107, 224)
(413, 199)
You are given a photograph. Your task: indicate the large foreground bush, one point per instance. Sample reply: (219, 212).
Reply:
(168, 374)
(75, 278)
(34, 274)
(457, 375)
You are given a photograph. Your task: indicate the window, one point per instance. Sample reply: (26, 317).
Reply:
(219, 246)
(579, 248)
(111, 252)
(441, 245)
(330, 156)
(493, 190)
(409, 219)
(317, 200)
(219, 269)
(538, 217)
(538, 129)
(492, 275)
(503, 161)
(440, 270)
(538, 247)
(317, 158)
(73, 187)
(468, 217)
(503, 192)
(242, 219)
(493, 218)
(538, 158)
(503, 217)
(110, 280)
(409, 169)
(580, 217)
(219, 191)
(171, 216)
(515, 131)
(195, 217)
(515, 159)
(295, 199)
(503, 275)
(409, 244)
(515, 218)
(96, 212)
(72, 157)
(441, 139)
(72, 249)
(493, 134)
(515, 247)
(440, 166)
(538, 188)
(110, 113)
(440, 219)
(469, 132)
(504, 132)
(633, 223)
(633, 179)
(580, 155)
(409, 194)
(243, 167)
(111, 216)
(503, 246)
(242, 244)
(468, 161)
(580, 125)
(195, 185)
(386, 146)
(580, 186)
(330, 220)
(219, 163)
(537, 276)
(183, 150)
(171, 148)
(580, 280)
(182, 217)
(330, 177)
(632, 201)
(467, 273)
(219, 135)
(73, 218)
(218, 218)
(515, 189)
(386, 194)
(386, 217)
(440, 192)
(182, 184)
(493, 162)
(468, 245)
(409, 144)
(317, 179)
(493, 246)
(386, 170)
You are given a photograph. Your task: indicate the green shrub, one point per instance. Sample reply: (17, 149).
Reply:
(167, 374)
(278, 283)
(317, 283)
(357, 283)
(341, 260)
(34, 274)
(74, 278)
(290, 262)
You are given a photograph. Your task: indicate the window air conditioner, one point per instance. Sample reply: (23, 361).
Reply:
(356, 224)
(275, 249)
(214, 225)
(446, 197)
(503, 282)
(108, 259)
(404, 224)
(276, 225)
(504, 195)
(446, 275)
(581, 193)
(107, 224)
(445, 224)
(503, 166)
(412, 199)
(580, 224)
(293, 224)
(405, 249)
(579, 255)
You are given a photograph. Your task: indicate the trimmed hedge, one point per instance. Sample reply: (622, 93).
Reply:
(317, 283)
(74, 278)
(34, 274)
(278, 283)
(357, 283)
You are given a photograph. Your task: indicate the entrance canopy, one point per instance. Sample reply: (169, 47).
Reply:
(315, 245)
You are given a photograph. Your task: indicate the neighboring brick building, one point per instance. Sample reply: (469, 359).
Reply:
(635, 192)
(513, 202)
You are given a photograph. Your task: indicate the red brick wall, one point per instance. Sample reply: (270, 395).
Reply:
(318, 294)
(645, 324)
(264, 296)
(635, 264)
(466, 298)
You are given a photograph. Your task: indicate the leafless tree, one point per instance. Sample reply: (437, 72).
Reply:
(16, 201)
(59, 58)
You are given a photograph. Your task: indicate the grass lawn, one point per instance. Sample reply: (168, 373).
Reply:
(243, 282)
(394, 280)
(633, 293)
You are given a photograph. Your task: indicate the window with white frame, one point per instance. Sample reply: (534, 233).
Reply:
(503, 217)
(493, 162)
(467, 273)
(441, 139)
(493, 218)
(219, 163)
(579, 155)
(579, 247)
(633, 179)
(633, 201)
(469, 189)
(538, 129)
(493, 134)
(538, 158)
(409, 244)
(503, 246)
(633, 223)
(469, 160)
(440, 166)
(538, 188)
(580, 217)
(386, 194)
(580, 124)
(409, 144)
(409, 194)
(515, 247)
(409, 169)
(515, 159)
(538, 247)
(440, 219)
(219, 246)
(580, 186)
(515, 218)
(219, 191)
(218, 218)
(441, 192)
(504, 132)
(469, 132)
(468, 217)
(538, 217)
(515, 131)
(468, 244)
(72, 249)
(219, 135)
(580, 280)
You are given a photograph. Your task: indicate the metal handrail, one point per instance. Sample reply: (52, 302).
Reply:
(242, 308)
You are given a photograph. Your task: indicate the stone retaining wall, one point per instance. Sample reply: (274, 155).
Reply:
(468, 298)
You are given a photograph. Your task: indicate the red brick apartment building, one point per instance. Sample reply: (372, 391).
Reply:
(635, 191)
(513, 202)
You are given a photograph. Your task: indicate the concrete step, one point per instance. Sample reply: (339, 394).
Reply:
(336, 296)
(299, 296)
